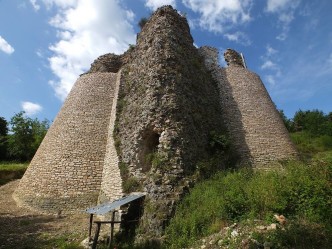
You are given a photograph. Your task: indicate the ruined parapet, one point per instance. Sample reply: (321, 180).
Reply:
(233, 58)
(106, 63)
(110, 63)
(66, 172)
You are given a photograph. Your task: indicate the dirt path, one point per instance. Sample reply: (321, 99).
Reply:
(23, 228)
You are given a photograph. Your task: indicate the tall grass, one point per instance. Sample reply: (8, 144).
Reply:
(309, 145)
(13, 166)
(300, 192)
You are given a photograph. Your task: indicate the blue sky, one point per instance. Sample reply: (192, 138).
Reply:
(46, 44)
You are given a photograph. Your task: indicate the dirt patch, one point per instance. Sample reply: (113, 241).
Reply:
(23, 228)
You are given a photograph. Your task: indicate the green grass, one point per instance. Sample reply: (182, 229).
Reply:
(11, 170)
(46, 241)
(309, 145)
(13, 166)
(301, 192)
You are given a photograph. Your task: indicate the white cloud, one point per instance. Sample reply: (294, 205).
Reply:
(35, 5)
(270, 50)
(238, 37)
(39, 53)
(269, 57)
(86, 30)
(277, 5)
(31, 108)
(270, 79)
(285, 10)
(5, 46)
(154, 4)
(269, 65)
(60, 3)
(282, 36)
(216, 15)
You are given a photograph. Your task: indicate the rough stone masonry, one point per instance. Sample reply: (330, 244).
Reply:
(145, 121)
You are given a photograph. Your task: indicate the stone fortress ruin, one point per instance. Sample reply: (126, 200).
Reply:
(144, 121)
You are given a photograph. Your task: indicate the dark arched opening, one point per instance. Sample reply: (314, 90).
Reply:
(149, 146)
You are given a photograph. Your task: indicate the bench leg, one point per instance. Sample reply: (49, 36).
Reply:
(90, 227)
(95, 240)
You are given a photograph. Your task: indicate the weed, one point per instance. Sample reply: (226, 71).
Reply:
(124, 171)
(300, 191)
(156, 160)
(131, 184)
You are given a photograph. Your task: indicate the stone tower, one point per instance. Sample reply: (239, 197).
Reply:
(146, 121)
(252, 120)
(66, 172)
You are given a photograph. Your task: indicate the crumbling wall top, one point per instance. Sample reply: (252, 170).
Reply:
(233, 58)
(164, 23)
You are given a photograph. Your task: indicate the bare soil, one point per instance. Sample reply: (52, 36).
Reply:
(23, 228)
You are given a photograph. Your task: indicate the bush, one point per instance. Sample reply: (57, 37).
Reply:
(308, 145)
(299, 191)
(131, 184)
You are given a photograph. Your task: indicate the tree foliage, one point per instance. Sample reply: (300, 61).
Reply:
(3, 138)
(25, 136)
(314, 122)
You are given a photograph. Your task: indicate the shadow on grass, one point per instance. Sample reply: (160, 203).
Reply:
(31, 231)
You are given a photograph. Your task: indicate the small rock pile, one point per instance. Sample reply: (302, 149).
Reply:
(240, 235)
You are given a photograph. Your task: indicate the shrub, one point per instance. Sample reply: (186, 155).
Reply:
(300, 191)
(296, 234)
(131, 184)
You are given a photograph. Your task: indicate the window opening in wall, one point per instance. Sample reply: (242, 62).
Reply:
(149, 148)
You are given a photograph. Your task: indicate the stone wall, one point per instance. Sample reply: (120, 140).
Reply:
(143, 121)
(265, 133)
(256, 128)
(169, 107)
(66, 172)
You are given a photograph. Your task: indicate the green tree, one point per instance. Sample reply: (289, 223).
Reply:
(40, 129)
(314, 122)
(329, 117)
(25, 136)
(3, 138)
